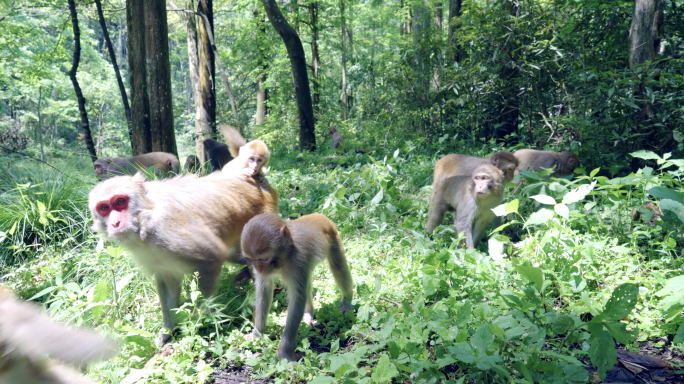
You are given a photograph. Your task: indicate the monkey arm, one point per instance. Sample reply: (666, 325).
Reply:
(264, 299)
(297, 296)
(465, 215)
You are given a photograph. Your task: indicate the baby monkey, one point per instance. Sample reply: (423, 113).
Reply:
(471, 198)
(249, 158)
(292, 249)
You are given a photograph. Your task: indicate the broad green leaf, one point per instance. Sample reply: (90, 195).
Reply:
(562, 210)
(531, 274)
(539, 217)
(594, 172)
(619, 331)
(602, 353)
(544, 199)
(512, 206)
(503, 226)
(666, 193)
(463, 352)
(672, 285)
(578, 193)
(99, 296)
(531, 175)
(671, 207)
(679, 337)
(42, 293)
(384, 371)
(378, 198)
(621, 302)
(562, 325)
(645, 155)
(482, 339)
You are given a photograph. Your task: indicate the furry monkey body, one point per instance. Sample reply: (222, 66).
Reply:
(471, 198)
(562, 163)
(178, 226)
(292, 249)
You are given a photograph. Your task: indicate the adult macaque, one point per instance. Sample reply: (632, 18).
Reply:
(249, 158)
(179, 226)
(563, 163)
(161, 161)
(217, 154)
(192, 164)
(462, 165)
(471, 198)
(28, 336)
(337, 139)
(292, 249)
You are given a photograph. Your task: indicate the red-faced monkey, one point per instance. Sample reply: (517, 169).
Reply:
(250, 158)
(292, 249)
(106, 167)
(337, 139)
(216, 153)
(471, 198)
(28, 337)
(563, 163)
(178, 226)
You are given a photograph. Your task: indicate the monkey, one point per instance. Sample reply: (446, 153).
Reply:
(292, 249)
(471, 198)
(27, 335)
(462, 165)
(337, 138)
(106, 167)
(192, 164)
(179, 226)
(249, 158)
(563, 163)
(217, 154)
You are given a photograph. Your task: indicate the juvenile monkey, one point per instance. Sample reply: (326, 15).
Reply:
(178, 226)
(337, 139)
(216, 153)
(249, 158)
(563, 163)
(106, 167)
(471, 198)
(292, 250)
(192, 164)
(27, 336)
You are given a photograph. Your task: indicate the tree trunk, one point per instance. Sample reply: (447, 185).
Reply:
(137, 69)
(454, 51)
(437, 63)
(262, 94)
(207, 71)
(315, 59)
(508, 107)
(112, 57)
(159, 72)
(40, 122)
(121, 59)
(74, 81)
(344, 63)
(644, 40)
(307, 136)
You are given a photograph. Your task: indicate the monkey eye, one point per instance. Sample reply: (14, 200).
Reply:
(119, 203)
(103, 209)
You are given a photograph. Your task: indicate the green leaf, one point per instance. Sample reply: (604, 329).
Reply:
(384, 371)
(645, 155)
(482, 339)
(674, 208)
(679, 337)
(628, 103)
(42, 293)
(562, 210)
(531, 274)
(378, 198)
(602, 353)
(496, 248)
(621, 302)
(463, 352)
(672, 285)
(666, 193)
(562, 325)
(539, 217)
(619, 331)
(99, 296)
(578, 193)
(322, 379)
(531, 175)
(544, 199)
(512, 206)
(594, 172)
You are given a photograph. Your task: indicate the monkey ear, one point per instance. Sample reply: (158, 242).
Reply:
(285, 232)
(494, 159)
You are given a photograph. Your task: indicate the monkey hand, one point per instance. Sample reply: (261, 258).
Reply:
(249, 172)
(346, 306)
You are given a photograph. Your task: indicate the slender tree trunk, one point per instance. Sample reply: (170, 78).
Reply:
(315, 59)
(112, 57)
(262, 94)
(437, 62)
(307, 136)
(509, 106)
(121, 58)
(207, 71)
(454, 51)
(644, 40)
(344, 63)
(40, 122)
(72, 75)
(159, 71)
(137, 69)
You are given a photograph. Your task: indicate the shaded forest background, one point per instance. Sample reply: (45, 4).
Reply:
(587, 76)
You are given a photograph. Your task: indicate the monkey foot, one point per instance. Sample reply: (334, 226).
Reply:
(308, 319)
(163, 339)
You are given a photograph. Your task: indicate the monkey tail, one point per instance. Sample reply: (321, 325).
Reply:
(234, 139)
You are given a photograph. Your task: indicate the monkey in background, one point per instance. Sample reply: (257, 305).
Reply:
(179, 226)
(192, 164)
(471, 198)
(216, 153)
(563, 163)
(249, 158)
(106, 167)
(337, 138)
(292, 249)
(27, 335)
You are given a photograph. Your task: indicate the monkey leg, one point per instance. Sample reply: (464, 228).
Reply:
(464, 222)
(297, 295)
(340, 270)
(208, 277)
(168, 289)
(436, 211)
(264, 299)
(480, 227)
(308, 317)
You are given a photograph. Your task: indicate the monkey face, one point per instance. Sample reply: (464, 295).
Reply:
(98, 169)
(255, 162)
(509, 172)
(482, 183)
(113, 212)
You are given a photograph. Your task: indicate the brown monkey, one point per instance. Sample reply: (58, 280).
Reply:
(192, 164)
(471, 198)
(563, 163)
(292, 249)
(216, 153)
(249, 158)
(27, 336)
(178, 226)
(462, 165)
(337, 139)
(162, 162)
